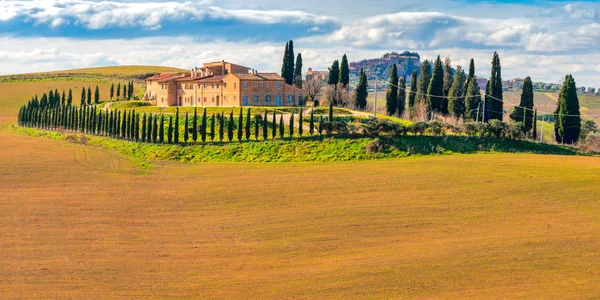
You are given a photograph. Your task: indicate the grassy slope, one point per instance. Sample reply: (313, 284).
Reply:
(83, 222)
(112, 71)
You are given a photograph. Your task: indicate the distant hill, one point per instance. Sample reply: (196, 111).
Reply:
(113, 72)
(381, 67)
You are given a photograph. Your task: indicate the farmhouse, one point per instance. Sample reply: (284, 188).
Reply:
(221, 84)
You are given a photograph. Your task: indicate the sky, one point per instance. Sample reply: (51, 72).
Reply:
(542, 39)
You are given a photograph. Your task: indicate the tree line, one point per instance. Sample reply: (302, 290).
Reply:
(126, 91)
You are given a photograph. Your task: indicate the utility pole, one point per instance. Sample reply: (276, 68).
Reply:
(483, 112)
(478, 108)
(542, 132)
(375, 102)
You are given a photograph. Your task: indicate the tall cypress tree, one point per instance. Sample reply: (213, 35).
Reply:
(186, 130)
(161, 131)
(412, 95)
(435, 90)
(401, 104)
(89, 95)
(248, 124)
(360, 93)
(334, 73)
(448, 76)
(256, 126)
(321, 126)
(230, 127)
(124, 91)
(331, 112)
(118, 90)
(149, 133)
(97, 95)
(344, 72)
(212, 128)
(423, 82)
(70, 98)
(63, 100)
(170, 130)
(195, 126)
(124, 125)
(144, 128)
(240, 127)
(154, 129)
(299, 123)
(473, 107)
(274, 132)
(493, 95)
(112, 91)
(281, 128)
(567, 117)
(203, 126)
(264, 127)
(289, 77)
(525, 108)
(291, 126)
(311, 130)
(176, 132)
(137, 127)
(391, 97)
(456, 100)
(83, 102)
(221, 127)
(534, 130)
(298, 72)
(284, 64)
(471, 75)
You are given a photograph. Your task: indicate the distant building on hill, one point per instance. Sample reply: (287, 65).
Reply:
(221, 84)
(319, 75)
(381, 67)
(482, 83)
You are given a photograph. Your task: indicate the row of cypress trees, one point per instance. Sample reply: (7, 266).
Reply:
(86, 96)
(52, 99)
(150, 128)
(127, 91)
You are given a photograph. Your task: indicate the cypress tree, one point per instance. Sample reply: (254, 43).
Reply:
(170, 130)
(176, 132)
(567, 117)
(112, 91)
(149, 129)
(63, 100)
(161, 132)
(289, 76)
(51, 102)
(311, 130)
(144, 128)
(344, 72)
(240, 129)
(124, 91)
(493, 95)
(212, 128)
(256, 126)
(230, 127)
(154, 129)
(391, 97)
(248, 124)
(83, 102)
(334, 73)
(423, 82)
(284, 64)
(331, 112)
(298, 72)
(132, 125)
(203, 126)
(534, 131)
(321, 126)
(281, 128)
(299, 123)
(97, 95)
(471, 75)
(89, 95)
(412, 95)
(195, 126)
(448, 79)
(291, 126)
(118, 90)
(456, 100)
(137, 127)
(130, 91)
(118, 133)
(124, 125)
(401, 104)
(274, 132)
(525, 108)
(186, 131)
(473, 102)
(221, 127)
(435, 90)
(360, 93)
(70, 98)
(264, 127)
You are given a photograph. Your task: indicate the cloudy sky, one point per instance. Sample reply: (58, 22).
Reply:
(541, 39)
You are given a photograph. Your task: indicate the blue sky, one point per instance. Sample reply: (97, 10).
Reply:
(542, 39)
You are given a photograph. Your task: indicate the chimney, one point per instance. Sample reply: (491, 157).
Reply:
(223, 65)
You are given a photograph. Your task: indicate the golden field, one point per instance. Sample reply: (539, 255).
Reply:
(82, 222)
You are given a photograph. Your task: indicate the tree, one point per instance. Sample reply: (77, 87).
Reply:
(154, 129)
(118, 90)
(112, 91)
(230, 127)
(291, 126)
(149, 133)
(161, 131)
(401, 104)
(170, 130)
(124, 91)
(221, 127)
(391, 97)
(473, 108)
(312, 88)
(89, 95)
(284, 64)
(448, 76)
(412, 93)
(494, 103)
(240, 129)
(212, 128)
(83, 102)
(248, 123)
(63, 101)
(287, 68)
(195, 125)
(256, 126)
(298, 72)
(311, 130)
(435, 90)
(176, 132)
(330, 112)
(423, 81)
(203, 126)
(97, 95)
(534, 131)
(274, 132)
(186, 129)
(567, 117)
(334, 73)
(300, 125)
(70, 98)
(281, 128)
(471, 75)
(321, 125)
(456, 100)
(524, 111)
(264, 127)
(344, 72)
(360, 93)
(144, 128)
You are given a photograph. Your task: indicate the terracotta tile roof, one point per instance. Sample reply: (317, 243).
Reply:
(171, 77)
(259, 76)
(161, 76)
(217, 78)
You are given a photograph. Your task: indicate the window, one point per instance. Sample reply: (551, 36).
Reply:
(290, 98)
(225, 84)
(258, 85)
(245, 84)
(217, 85)
(204, 100)
(205, 85)
(213, 99)
(179, 86)
(224, 98)
(213, 85)
(268, 98)
(300, 100)
(234, 98)
(278, 85)
(235, 85)
(255, 98)
(263, 85)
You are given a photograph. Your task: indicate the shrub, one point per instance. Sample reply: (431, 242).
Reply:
(373, 128)
(418, 128)
(335, 127)
(496, 129)
(436, 127)
(375, 146)
(516, 131)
